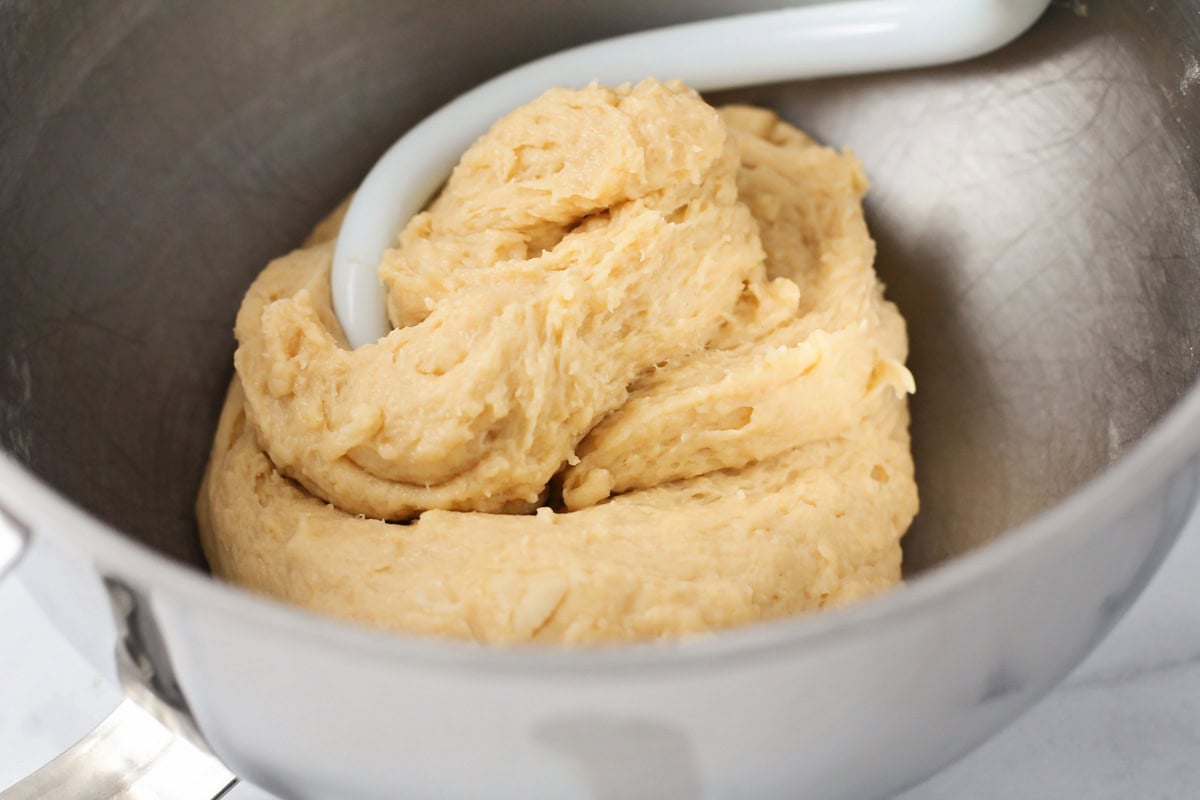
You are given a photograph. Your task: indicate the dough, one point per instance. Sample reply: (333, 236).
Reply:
(643, 383)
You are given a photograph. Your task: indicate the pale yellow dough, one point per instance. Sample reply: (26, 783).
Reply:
(643, 383)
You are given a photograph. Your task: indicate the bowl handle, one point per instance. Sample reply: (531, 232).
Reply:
(129, 755)
(133, 753)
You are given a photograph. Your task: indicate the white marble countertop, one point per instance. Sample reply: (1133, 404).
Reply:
(1124, 726)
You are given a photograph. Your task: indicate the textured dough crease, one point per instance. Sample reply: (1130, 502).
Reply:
(643, 382)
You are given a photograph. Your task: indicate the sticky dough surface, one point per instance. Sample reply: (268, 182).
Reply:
(643, 383)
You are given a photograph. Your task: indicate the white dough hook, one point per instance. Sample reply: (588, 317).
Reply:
(828, 39)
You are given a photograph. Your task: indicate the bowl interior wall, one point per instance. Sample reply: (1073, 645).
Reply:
(1036, 214)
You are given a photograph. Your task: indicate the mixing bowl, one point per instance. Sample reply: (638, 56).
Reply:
(1038, 224)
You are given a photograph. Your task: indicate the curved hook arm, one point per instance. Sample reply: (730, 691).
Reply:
(833, 38)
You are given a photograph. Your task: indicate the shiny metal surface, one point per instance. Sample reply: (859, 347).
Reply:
(128, 756)
(148, 748)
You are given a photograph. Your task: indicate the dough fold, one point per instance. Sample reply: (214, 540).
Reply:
(643, 382)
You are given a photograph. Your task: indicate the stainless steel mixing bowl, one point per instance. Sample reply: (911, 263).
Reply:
(1038, 224)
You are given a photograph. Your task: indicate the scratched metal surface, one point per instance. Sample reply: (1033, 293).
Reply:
(1036, 213)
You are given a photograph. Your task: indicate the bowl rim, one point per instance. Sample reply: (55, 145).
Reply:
(1151, 461)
